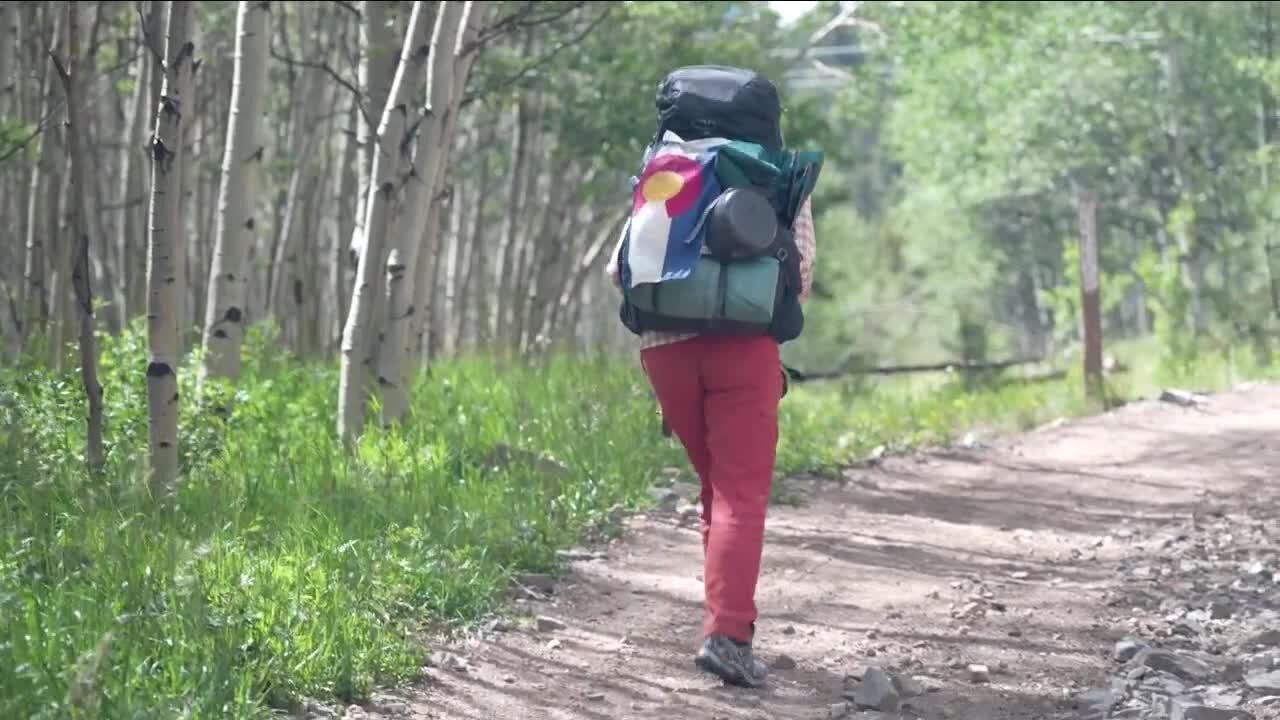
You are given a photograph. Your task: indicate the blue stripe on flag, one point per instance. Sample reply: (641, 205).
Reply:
(683, 250)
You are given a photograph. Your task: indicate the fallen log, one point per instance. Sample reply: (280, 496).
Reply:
(805, 376)
(1185, 398)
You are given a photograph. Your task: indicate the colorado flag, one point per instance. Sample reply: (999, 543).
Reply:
(677, 185)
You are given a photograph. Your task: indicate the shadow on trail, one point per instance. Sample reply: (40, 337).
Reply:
(877, 552)
(878, 570)
(1152, 485)
(665, 681)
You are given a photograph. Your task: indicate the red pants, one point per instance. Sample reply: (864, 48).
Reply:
(720, 396)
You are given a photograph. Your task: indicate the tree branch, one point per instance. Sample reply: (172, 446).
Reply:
(517, 20)
(56, 107)
(846, 18)
(324, 67)
(128, 203)
(90, 102)
(23, 143)
(350, 8)
(123, 63)
(283, 27)
(63, 74)
(535, 64)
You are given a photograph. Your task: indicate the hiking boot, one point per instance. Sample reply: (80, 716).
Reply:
(731, 660)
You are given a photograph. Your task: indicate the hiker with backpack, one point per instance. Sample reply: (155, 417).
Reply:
(713, 265)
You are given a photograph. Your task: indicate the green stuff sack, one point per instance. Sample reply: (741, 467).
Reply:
(736, 298)
(751, 292)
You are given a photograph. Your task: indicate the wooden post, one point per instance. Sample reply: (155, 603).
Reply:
(1090, 303)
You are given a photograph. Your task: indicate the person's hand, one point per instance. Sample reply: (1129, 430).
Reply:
(613, 266)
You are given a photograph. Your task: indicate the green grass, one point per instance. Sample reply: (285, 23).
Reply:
(828, 424)
(289, 566)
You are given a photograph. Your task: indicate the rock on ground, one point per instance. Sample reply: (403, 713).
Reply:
(1268, 682)
(1180, 665)
(1184, 709)
(1126, 649)
(549, 624)
(876, 691)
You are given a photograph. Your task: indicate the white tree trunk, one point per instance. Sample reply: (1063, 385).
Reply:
(475, 289)
(186, 191)
(454, 305)
(236, 227)
(357, 334)
(282, 299)
(560, 318)
(507, 256)
(130, 222)
(346, 226)
(59, 257)
(208, 144)
(377, 70)
(78, 225)
(8, 56)
(36, 288)
(394, 375)
(8, 99)
(56, 256)
(166, 235)
(424, 275)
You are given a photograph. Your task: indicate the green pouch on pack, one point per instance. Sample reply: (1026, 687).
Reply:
(789, 177)
(739, 164)
(743, 292)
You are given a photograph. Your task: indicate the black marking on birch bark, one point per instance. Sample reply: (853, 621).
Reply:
(220, 334)
(171, 106)
(297, 292)
(233, 315)
(161, 155)
(158, 370)
(250, 224)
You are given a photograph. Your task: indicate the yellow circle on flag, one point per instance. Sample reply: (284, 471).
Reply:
(662, 186)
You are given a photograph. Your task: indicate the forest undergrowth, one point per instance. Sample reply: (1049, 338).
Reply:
(288, 566)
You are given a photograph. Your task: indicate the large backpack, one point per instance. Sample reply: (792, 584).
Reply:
(713, 211)
(708, 101)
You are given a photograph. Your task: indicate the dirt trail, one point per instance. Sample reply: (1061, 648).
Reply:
(1011, 554)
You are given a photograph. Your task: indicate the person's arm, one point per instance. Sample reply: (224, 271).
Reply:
(807, 244)
(612, 267)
